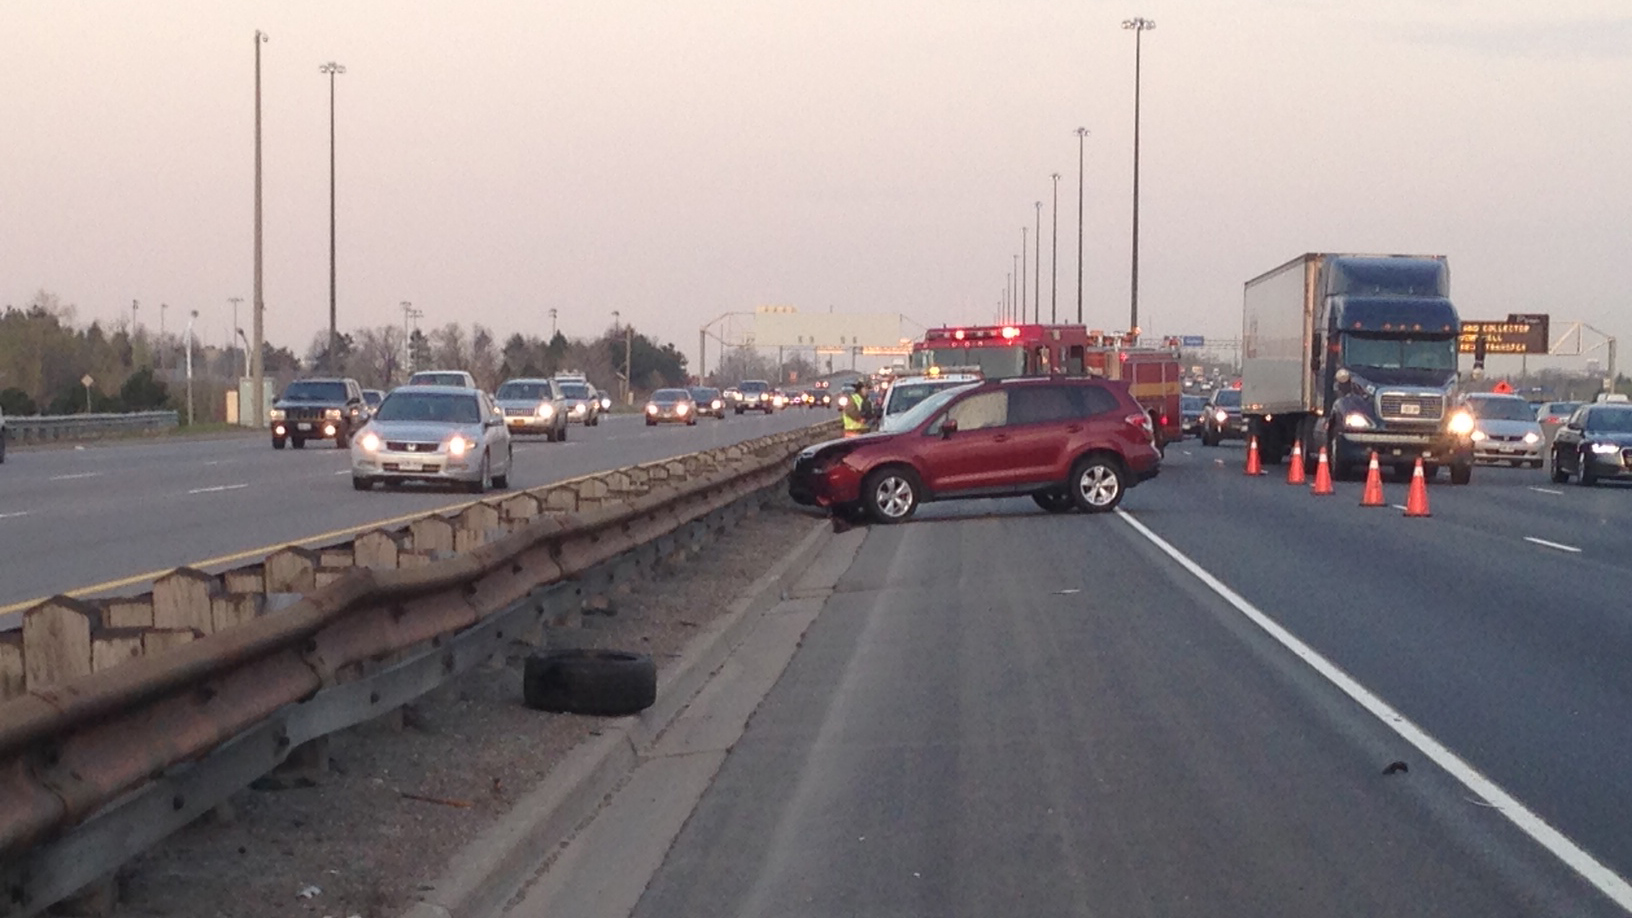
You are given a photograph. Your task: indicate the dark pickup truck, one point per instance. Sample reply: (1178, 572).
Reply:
(318, 409)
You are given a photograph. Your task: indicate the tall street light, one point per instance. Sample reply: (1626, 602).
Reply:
(1082, 133)
(257, 369)
(1023, 266)
(1139, 26)
(1014, 288)
(1054, 259)
(1037, 268)
(332, 69)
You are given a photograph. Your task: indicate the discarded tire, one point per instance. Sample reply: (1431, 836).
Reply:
(603, 683)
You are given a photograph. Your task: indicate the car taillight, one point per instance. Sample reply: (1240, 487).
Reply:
(1141, 421)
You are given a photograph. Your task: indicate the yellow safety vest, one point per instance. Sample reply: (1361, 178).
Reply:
(854, 424)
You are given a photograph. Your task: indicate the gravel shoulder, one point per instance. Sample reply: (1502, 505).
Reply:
(399, 802)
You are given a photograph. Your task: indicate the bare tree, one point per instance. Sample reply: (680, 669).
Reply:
(450, 348)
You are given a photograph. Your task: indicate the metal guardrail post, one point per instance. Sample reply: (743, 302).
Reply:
(48, 428)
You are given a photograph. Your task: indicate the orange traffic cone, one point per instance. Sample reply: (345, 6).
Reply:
(1416, 503)
(1373, 495)
(1294, 471)
(1254, 466)
(1323, 477)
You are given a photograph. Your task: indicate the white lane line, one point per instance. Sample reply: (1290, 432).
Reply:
(343, 472)
(74, 477)
(7, 516)
(217, 489)
(1578, 859)
(1557, 545)
(1544, 490)
(1398, 506)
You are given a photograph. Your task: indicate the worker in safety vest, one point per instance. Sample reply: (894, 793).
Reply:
(855, 410)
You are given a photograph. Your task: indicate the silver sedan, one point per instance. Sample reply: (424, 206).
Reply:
(433, 433)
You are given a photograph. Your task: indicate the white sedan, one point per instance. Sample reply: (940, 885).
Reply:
(433, 433)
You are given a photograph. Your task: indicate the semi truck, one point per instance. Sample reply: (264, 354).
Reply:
(1357, 354)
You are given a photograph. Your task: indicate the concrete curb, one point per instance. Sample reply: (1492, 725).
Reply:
(487, 872)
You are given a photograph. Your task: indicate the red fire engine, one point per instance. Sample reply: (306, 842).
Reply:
(1002, 351)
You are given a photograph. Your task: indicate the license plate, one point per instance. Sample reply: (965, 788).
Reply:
(1510, 449)
(303, 426)
(409, 466)
(1410, 408)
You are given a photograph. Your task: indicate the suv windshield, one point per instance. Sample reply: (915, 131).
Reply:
(575, 390)
(1227, 398)
(754, 385)
(524, 391)
(922, 411)
(1502, 409)
(316, 391)
(452, 408)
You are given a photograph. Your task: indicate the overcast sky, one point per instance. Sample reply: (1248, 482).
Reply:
(680, 160)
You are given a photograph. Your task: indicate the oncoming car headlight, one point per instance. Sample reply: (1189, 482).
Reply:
(1461, 423)
(1354, 420)
(716, 404)
(458, 445)
(1604, 449)
(651, 408)
(1532, 437)
(1221, 416)
(1477, 436)
(370, 442)
(546, 410)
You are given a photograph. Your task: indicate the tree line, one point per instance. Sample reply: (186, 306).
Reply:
(45, 356)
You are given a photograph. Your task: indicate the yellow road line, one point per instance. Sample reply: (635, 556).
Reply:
(238, 556)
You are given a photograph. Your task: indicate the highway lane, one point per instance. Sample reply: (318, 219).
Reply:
(1001, 711)
(73, 518)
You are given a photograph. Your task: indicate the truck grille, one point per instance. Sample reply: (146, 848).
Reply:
(303, 414)
(1397, 406)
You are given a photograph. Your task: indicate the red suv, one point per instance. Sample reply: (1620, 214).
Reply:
(1070, 443)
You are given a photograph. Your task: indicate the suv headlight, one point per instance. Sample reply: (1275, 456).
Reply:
(1356, 420)
(1221, 416)
(1604, 449)
(277, 414)
(370, 442)
(546, 410)
(333, 414)
(1461, 423)
(458, 445)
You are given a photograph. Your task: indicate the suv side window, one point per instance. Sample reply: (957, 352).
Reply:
(982, 410)
(1040, 404)
(1094, 400)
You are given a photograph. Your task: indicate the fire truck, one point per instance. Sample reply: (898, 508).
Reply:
(1003, 351)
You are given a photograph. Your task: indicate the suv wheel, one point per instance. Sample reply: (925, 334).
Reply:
(1096, 484)
(277, 442)
(890, 494)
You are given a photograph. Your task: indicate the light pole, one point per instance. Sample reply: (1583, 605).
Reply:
(1139, 26)
(408, 312)
(163, 307)
(1014, 289)
(552, 324)
(1054, 259)
(1023, 265)
(1082, 133)
(332, 69)
(191, 317)
(257, 368)
(1037, 268)
(232, 341)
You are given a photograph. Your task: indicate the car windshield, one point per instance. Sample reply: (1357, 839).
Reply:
(575, 390)
(1227, 398)
(670, 395)
(754, 385)
(524, 391)
(312, 391)
(1610, 420)
(994, 362)
(705, 395)
(430, 406)
(1399, 353)
(438, 379)
(373, 397)
(1501, 409)
(922, 411)
(1556, 409)
(906, 396)
(1191, 403)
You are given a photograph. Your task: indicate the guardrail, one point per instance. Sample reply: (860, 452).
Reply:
(97, 768)
(44, 428)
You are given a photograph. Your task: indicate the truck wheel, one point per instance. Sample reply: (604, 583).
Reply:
(297, 442)
(1461, 473)
(1096, 484)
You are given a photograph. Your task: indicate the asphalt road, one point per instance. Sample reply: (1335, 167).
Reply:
(72, 518)
(1000, 711)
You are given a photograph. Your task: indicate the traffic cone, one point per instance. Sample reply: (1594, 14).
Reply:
(1373, 495)
(1294, 470)
(1416, 503)
(1254, 466)
(1323, 477)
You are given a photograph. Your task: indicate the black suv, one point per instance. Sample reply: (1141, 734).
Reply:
(318, 409)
